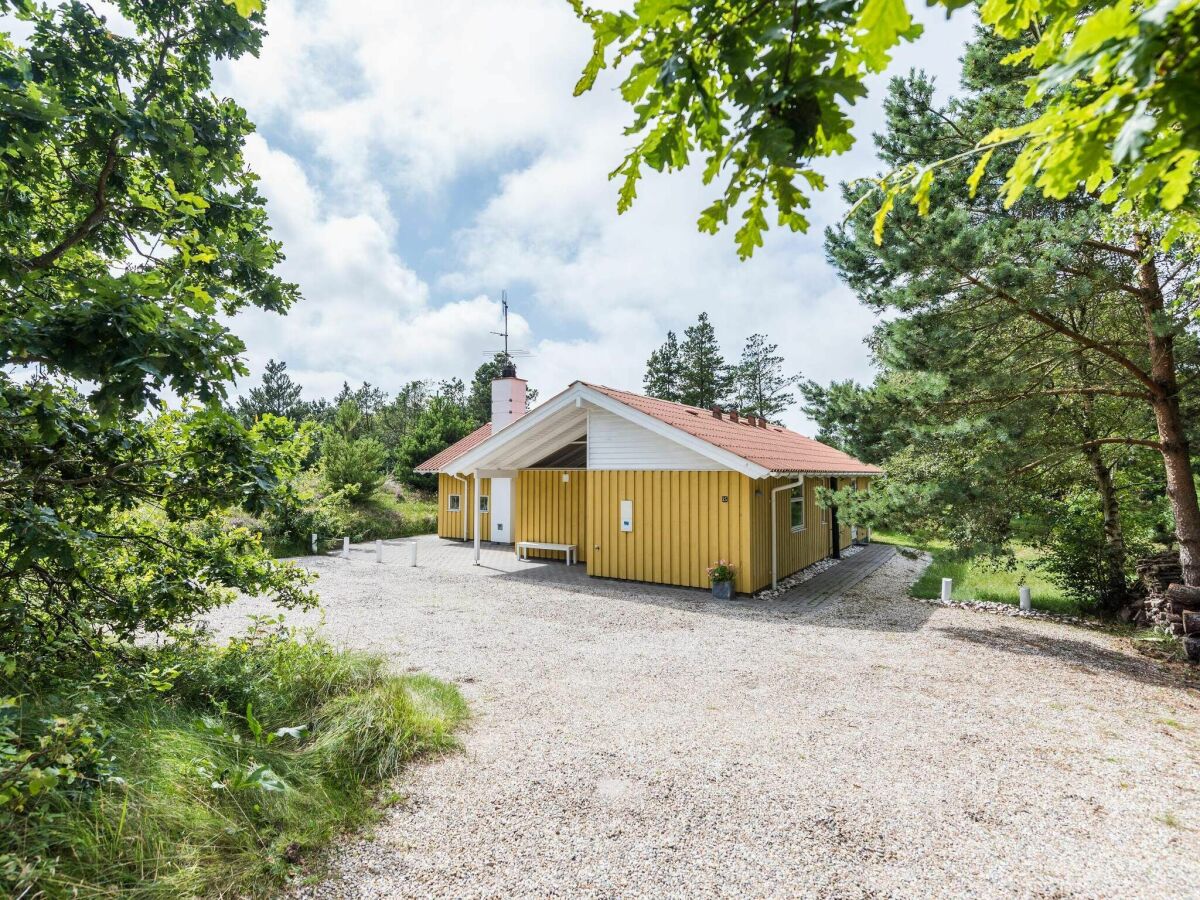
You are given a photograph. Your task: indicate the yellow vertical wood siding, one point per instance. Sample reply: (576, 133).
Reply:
(683, 522)
(552, 510)
(797, 549)
(450, 523)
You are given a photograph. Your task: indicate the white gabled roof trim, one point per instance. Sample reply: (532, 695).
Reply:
(699, 445)
(581, 392)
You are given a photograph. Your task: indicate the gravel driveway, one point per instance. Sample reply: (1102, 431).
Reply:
(629, 740)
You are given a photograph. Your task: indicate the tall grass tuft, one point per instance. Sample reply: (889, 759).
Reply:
(225, 784)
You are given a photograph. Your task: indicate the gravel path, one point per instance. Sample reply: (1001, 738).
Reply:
(638, 741)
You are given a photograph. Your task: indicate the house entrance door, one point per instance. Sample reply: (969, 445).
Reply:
(501, 510)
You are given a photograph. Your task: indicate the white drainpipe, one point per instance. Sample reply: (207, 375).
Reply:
(775, 529)
(478, 518)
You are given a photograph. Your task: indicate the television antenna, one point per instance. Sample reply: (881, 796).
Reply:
(509, 355)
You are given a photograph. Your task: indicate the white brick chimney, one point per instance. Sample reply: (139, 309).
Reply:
(508, 398)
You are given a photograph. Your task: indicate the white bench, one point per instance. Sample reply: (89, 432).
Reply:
(523, 548)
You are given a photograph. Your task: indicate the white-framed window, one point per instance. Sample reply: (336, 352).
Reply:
(483, 503)
(797, 507)
(455, 503)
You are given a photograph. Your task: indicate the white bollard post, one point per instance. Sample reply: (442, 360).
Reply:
(314, 543)
(947, 588)
(379, 551)
(414, 553)
(1026, 598)
(345, 548)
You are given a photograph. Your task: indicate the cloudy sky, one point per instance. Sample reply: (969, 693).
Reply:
(419, 157)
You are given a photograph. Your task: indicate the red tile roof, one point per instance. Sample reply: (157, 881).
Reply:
(455, 450)
(773, 447)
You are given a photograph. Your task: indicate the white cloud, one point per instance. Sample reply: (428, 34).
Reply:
(365, 315)
(412, 93)
(391, 110)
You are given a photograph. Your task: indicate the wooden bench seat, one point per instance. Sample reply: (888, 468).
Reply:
(569, 549)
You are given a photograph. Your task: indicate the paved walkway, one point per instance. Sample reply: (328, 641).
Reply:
(835, 581)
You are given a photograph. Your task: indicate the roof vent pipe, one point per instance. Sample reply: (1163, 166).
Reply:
(733, 415)
(716, 411)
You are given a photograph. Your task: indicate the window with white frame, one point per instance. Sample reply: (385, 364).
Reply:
(797, 505)
(455, 503)
(483, 503)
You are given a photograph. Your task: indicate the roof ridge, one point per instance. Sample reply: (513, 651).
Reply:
(701, 409)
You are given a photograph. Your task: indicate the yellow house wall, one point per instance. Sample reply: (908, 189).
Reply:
(450, 524)
(797, 549)
(552, 510)
(683, 522)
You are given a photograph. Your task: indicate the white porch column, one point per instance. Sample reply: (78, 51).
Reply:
(478, 516)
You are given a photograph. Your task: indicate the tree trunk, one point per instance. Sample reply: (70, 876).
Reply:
(1176, 454)
(1116, 591)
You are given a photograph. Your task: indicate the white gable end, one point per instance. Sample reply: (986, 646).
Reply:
(617, 443)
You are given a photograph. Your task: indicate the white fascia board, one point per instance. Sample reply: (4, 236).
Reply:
(470, 460)
(703, 447)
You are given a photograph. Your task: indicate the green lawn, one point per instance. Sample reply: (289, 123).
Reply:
(976, 579)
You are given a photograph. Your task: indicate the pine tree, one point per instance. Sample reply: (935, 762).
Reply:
(762, 388)
(351, 460)
(705, 378)
(1037, 341)
(444, 420)
(278, 395)
(664, 371)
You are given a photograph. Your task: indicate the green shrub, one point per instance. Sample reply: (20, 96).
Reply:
(353, 466)
(201, 770)
(352, 462)
(1074, 558)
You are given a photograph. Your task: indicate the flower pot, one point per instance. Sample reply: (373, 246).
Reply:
(722, 590)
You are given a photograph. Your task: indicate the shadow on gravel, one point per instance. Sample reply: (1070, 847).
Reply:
(900, 615)
(1082, 655)
(829, 613)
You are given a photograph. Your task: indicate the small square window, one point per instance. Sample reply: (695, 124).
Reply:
(797, 505)
(483, 503)
(455, 503)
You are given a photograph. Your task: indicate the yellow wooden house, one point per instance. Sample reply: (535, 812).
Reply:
(644, 489)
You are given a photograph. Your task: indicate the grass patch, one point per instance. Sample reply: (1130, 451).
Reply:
(977, 579)
(225, 784)
(385, 515)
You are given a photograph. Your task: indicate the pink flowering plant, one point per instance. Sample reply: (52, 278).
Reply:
(722, 571)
